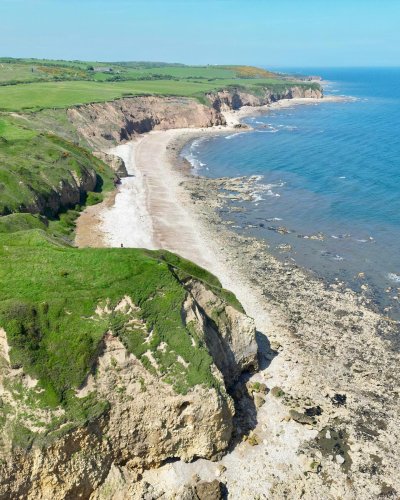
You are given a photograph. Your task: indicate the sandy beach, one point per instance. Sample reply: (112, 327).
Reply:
(307, 340)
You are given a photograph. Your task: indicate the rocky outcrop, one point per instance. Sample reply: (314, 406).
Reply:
(228, 334)
(229, 99)
(114, 162)
(118, 486)
(106, 124)
(147, 422)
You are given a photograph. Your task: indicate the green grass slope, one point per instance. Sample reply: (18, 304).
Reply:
(49, 299)
(33, 165)
(49, 293)
(16, 222)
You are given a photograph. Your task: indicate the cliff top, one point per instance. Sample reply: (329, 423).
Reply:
(58, 303)
(37, 84)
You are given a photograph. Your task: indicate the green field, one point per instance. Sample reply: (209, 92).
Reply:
(36, 96)
(14, 71)
(69, 93)
(184, 72)
(39, 84)
(17, 72)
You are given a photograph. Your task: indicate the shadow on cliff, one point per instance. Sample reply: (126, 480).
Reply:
(245, 419)
(265, 352)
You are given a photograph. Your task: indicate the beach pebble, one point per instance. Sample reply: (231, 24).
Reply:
(220, 470)
(339, 459)
(259, 400)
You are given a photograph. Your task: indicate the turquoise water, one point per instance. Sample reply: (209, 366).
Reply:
(330, 168)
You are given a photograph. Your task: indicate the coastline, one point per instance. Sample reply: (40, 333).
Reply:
(317, 342)
(235, 117)
(117, 221)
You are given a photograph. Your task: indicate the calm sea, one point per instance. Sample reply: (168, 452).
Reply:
(331, 170)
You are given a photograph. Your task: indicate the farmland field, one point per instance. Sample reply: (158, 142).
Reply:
(41, 95)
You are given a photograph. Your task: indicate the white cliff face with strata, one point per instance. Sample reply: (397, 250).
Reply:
(147, 422)
(216, 324)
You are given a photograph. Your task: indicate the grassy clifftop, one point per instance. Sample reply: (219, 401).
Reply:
(58, 302)
(49, 296)
(58, 84)
(14, 71)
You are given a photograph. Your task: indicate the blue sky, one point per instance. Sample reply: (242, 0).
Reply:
(263, 32)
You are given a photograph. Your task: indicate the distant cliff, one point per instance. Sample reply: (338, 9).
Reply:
(102, 125)
(235, 98)
(53, 174)
(105, 124)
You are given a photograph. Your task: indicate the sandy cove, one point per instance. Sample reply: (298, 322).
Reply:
(320, 342)
(145, 211)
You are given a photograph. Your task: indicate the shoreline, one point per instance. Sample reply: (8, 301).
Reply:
(315, 334)
(234, 117)
(95, 229)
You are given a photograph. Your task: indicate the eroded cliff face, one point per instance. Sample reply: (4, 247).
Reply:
(147, 421)
(103, 125)
(217, 325)
(116, 163)
(106, 124)
(67, 193)
(234, 98)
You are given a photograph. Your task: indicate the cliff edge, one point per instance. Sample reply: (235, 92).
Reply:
(130, 369)
(103, 125)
